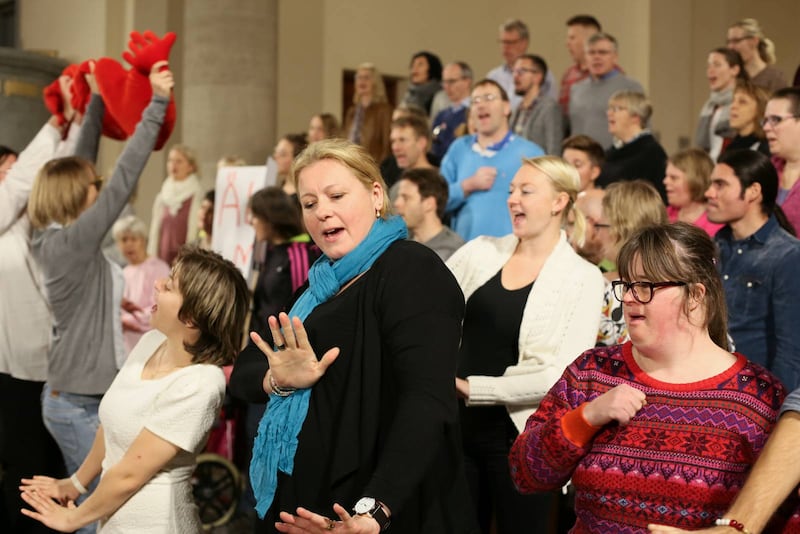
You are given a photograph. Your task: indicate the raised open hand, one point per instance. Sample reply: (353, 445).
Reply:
(147, 49)
(293, 362)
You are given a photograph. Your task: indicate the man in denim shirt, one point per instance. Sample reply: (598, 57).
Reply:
(759, 262)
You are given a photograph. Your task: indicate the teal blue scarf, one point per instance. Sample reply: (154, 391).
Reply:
(276, 442)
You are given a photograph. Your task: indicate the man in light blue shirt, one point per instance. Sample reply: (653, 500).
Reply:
(479, 168)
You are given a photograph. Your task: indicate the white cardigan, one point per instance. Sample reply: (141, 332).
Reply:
(560, 320)
(25, 319)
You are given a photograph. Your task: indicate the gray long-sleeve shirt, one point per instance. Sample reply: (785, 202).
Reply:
(77, 275)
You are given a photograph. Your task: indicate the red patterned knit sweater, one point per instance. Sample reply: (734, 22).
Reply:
(680, 461)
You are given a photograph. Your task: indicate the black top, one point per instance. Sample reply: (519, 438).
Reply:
(274, 288)
(490, 341)
(383, 421)
(490, 344)
(643, 158)
(748, 142)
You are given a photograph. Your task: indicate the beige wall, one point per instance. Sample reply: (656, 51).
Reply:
(663, 44)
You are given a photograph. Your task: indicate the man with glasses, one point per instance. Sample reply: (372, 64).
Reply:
(758, 263)
(457, 83)
(782, 128)
(538, 117)
(588, 98)
(479, 168)
(514, 40)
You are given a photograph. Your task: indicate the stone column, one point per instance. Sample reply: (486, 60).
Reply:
(228, 87)
(23, 75)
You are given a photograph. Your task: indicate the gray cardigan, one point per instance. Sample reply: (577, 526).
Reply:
(545, 127)
(77, 276)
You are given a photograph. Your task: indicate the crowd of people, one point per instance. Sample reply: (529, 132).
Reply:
(499, 307)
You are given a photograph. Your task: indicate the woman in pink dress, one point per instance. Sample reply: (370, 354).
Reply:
(141, 274)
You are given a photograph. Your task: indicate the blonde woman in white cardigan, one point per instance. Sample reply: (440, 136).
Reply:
(533, 306)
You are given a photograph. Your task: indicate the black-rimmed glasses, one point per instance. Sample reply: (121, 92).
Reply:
(642, 291)
(774, 120)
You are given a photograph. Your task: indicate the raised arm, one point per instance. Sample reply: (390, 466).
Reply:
(88, 231)
(92, 126)
(16, 188)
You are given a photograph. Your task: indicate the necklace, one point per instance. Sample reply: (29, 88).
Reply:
(160, 370)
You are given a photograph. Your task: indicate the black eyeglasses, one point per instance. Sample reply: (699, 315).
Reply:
(642, 291)
(774, 120)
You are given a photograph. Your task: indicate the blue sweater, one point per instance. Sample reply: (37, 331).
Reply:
(483, 212)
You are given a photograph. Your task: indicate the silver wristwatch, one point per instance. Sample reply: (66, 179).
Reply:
(371, 507)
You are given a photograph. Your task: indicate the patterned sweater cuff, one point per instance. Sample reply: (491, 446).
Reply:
(576, 428)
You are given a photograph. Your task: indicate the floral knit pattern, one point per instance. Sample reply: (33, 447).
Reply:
(680, 461)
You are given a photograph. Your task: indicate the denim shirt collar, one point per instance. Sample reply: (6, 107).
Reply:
(760, 236)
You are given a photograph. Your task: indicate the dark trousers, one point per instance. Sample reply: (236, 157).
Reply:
(26, 449)
(488, 436)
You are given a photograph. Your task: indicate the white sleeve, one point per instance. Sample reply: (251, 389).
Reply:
(16, 188)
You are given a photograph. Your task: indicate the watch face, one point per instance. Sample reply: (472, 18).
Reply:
(364, 505)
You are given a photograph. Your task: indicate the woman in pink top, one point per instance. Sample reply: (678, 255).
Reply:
(141, 274)
(688, 177)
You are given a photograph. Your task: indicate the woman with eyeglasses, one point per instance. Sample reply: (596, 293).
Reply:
(72, 216)
(664, 428)
(758, 54)
(782, 127)
(531, 302)
(627, 206)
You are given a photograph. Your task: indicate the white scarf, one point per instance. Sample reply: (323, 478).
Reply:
(175, 192)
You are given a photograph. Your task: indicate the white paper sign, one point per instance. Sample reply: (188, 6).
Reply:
(233, 236)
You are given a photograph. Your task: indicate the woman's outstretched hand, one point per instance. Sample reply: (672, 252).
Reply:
(48, 512)
(293, 363)
(62, 490)
(308, 521)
